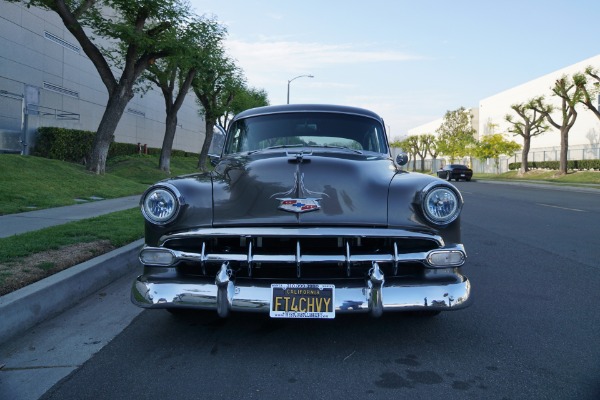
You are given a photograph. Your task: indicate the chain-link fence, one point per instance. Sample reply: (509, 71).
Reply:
(489, 166)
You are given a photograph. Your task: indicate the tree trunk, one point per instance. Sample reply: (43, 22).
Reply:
(172, 108)
(165, 153)
(564, 149)
(434, 166)
(525, 154)
(112, 114)
(208, 126)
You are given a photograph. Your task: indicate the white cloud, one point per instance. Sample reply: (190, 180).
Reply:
(299, 57)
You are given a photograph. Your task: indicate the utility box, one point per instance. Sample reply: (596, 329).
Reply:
(10, 141)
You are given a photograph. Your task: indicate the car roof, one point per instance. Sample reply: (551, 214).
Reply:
(291, 108)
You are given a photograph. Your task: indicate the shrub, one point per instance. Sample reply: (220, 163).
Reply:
(555, 165)
(63, 144)
(75, 146)
(122, 149)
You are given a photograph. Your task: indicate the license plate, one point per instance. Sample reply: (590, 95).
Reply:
(462, 174)
(302, 301)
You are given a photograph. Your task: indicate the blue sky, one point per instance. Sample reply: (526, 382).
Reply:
(409, 61)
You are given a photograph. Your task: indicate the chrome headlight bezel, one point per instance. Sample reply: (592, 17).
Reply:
(441, 204)
(161, 204)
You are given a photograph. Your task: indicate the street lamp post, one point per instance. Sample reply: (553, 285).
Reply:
(290, 81)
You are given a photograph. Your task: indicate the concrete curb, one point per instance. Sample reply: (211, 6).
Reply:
(27, 307)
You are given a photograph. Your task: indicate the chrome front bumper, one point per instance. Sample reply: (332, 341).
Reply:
(374, 296)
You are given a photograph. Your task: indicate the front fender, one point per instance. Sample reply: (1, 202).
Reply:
(405, 210)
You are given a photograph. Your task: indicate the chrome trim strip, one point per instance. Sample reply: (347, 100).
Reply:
(396, 258)
(298, 260)
(250, 258)
(348, 262)
(308, 232)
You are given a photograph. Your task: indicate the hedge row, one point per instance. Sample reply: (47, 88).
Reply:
(63, 144)
(555, 165)
(75, 145)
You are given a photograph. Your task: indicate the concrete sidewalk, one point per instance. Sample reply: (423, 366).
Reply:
(14, 224)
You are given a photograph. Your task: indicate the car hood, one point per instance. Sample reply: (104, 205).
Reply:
(339, 188)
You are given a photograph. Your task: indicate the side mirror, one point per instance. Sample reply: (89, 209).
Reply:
(402, 159)
(214, 159)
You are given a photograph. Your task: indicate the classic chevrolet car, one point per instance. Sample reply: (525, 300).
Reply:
(305, 215)
(456, 172)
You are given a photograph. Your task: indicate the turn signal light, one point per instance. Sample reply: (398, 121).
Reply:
(446, 258)
(156, 257)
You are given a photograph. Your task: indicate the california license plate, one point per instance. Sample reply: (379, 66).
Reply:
(290, 300)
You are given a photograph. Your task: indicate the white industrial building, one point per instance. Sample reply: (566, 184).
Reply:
(47, 80)
(488, 117)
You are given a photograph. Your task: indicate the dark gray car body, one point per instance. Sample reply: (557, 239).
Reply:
(364, 229)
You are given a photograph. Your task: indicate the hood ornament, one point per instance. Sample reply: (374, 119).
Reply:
(305, 200)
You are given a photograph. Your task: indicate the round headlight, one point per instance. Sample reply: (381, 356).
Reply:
(441, 205)
(160, 206)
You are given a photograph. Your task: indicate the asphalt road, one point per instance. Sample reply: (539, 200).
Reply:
(531, 333)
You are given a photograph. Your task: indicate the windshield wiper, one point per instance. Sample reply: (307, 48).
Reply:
(327, 146)
(279, 146)
(284, 146)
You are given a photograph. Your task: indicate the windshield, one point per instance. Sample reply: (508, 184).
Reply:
(330, 130)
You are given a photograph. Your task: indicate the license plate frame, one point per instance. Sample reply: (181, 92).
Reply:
(302, 300)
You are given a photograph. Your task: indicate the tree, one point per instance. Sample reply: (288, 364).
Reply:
(137, 33)
(434, 151)
(424, 143)
(198, 39)
(456, 134)
(493, 146)
(570, 94)
(215, 87)
(243, 100)
(411, 144)
(589, 88)
(532, 123)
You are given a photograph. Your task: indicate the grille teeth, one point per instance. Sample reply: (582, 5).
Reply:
(303, 258)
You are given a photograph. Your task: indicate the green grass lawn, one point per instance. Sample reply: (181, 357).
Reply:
(29, 183)
(119, 228)
(144, 169)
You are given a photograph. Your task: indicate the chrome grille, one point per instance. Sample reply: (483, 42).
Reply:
(300, 257)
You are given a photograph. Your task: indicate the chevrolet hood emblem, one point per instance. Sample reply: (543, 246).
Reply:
(301, 204)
